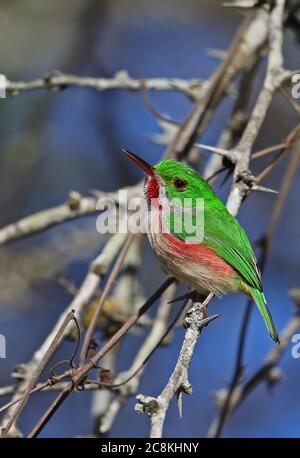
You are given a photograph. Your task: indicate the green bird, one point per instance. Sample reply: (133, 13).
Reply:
(217, 259)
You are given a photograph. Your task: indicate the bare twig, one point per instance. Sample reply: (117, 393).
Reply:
(236, 123)
(104, 295)
(135, 372)
(121, 80)
(102, 399)
(76, 207)
(49, 217)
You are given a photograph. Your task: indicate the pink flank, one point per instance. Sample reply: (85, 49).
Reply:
(203, 254)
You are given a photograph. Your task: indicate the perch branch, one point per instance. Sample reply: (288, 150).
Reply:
(178, 382)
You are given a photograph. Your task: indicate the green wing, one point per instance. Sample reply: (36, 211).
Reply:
(228, 239)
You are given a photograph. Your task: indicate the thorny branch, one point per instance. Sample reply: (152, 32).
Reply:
(178, 382)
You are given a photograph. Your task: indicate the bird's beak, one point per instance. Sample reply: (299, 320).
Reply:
(140, 162)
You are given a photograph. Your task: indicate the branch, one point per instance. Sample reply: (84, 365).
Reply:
(121, 80)
(178, 382)
(134, 374)
(102, 399)
(76, 207)
(274, 77)
(109, 284)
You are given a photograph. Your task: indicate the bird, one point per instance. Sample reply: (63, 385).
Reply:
(217, 260)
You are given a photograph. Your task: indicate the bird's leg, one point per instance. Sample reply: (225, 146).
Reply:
(205, 304)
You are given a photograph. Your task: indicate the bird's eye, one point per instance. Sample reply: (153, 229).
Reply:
(179, 184)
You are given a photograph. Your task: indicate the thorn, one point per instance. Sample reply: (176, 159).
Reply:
(207, 320)
(215, 149)
(217, 53)
(264, 189)
(179, 402)
(96, 192)
(240, 4)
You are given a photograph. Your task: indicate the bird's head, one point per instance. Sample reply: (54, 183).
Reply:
(172, 179)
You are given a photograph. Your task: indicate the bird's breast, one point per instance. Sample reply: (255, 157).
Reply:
(195, 264)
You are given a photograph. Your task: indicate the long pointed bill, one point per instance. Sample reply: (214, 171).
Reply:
(140, 162)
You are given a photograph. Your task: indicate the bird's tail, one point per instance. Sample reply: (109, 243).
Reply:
(261, 303)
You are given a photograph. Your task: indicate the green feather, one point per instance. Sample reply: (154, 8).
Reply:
(228, 239)
(260, 301)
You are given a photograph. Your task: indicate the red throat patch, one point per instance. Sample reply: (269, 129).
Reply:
(152, 188)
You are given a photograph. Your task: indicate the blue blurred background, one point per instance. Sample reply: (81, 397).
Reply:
(53, 142)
